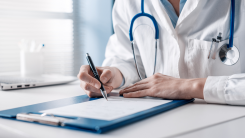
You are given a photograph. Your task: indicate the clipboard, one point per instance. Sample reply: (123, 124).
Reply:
(31, 114)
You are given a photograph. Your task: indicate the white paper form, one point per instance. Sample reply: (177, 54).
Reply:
(115, 107)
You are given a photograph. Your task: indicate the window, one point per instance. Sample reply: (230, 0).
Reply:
(45, 21)
(68, 28)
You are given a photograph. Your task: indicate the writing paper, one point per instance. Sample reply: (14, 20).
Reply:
(115, 107)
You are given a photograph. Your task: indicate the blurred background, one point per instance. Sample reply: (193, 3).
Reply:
(68, 28)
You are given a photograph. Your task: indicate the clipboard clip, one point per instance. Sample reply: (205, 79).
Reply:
(45, 118)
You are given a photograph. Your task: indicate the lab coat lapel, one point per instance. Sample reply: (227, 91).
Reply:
(189, 7)
(163, 16)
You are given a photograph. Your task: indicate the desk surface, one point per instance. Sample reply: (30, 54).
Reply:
(185, 121)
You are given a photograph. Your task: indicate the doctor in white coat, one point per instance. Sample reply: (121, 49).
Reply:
(183, 70)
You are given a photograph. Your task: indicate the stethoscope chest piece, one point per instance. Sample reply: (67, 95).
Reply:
(229, 56)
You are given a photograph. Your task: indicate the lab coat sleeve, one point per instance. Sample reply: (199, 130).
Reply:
(225, 89)
(118, 51)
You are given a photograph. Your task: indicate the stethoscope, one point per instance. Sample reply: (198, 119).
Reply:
(228, 53)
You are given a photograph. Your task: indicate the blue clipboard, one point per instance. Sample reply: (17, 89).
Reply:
(88, 124)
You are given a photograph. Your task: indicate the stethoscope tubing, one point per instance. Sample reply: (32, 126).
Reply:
(232, 23)
(135, 62)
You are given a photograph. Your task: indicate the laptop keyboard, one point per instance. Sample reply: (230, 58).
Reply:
(11, 80)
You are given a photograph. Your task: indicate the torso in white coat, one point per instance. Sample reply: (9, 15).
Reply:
(182, 51)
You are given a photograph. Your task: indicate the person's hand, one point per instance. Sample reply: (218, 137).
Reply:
(166, 87)
(111, 78)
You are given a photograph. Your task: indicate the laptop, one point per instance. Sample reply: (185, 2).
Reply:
(16, 81)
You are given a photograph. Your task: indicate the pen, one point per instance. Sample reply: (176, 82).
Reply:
(96, 75)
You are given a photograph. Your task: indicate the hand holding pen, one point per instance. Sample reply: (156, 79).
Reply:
(110, 78)
(96, 75)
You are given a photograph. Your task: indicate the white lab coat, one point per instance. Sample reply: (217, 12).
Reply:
(182, 51)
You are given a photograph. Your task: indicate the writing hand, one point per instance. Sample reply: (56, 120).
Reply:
(111, 78)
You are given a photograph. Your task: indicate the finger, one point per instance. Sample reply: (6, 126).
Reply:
(137, 94)
(84, 68)
(98, 94)
(93, 94)
(137, 83)
(99, 70)
(134, 88)
(108, 89)
(105, 76)
(89, 87)
(85, 77)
